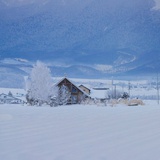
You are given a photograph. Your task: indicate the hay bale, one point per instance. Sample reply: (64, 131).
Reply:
(134, 102)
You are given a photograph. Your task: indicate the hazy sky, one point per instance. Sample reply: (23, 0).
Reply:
(13, 3)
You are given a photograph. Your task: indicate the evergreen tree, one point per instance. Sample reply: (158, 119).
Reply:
(10, 93)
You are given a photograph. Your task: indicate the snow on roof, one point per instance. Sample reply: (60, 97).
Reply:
(100, 94)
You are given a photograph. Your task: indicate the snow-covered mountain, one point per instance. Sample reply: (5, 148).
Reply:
(81, 38)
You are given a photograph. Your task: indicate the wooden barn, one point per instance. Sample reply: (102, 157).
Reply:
(77, 94)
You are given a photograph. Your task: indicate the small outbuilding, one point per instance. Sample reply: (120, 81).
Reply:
(85, 89)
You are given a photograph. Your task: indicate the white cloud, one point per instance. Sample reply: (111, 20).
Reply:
(157, 5)
(103, 68)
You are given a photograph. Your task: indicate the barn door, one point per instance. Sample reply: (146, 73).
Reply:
(74, 99)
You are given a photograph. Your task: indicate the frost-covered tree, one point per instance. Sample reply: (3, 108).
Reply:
(40, 87)
(64, 95)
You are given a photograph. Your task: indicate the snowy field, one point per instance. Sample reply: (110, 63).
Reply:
(80, 132)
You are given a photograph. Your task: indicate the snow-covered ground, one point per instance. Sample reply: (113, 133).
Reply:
(80, 132)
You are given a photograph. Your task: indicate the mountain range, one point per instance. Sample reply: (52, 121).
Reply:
(80, 38)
